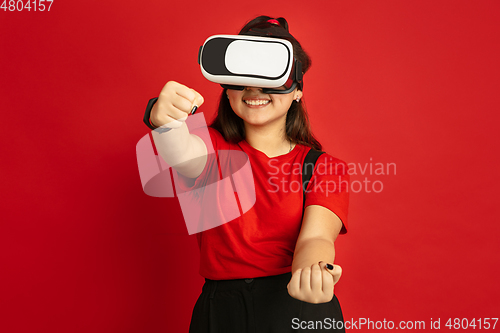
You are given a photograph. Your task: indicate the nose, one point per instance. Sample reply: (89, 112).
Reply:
(252, 88)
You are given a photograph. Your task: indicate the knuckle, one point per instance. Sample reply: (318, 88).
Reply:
(171, 84)
(201, 99)
(315, 300)
(165, 94)
(167, 87)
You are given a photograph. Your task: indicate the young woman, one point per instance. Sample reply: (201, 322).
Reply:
(271, 269)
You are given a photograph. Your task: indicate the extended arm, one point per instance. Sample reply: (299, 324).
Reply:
(311, 280)
(185, 152)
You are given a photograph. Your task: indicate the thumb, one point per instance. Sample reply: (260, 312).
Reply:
(334, 270)
(198, 100)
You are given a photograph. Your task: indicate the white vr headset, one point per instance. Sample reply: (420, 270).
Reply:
(239, 61)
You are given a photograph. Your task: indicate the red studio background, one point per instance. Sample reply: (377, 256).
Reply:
(412, 86)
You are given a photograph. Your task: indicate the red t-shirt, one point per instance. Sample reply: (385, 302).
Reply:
(261, 242)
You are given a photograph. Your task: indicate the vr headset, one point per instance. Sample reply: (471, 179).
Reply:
(239, 61)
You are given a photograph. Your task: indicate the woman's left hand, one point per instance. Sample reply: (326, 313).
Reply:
(314, 284)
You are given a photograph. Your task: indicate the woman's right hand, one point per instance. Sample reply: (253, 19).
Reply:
(174, 104)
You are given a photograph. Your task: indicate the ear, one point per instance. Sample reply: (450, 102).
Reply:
(298, 94)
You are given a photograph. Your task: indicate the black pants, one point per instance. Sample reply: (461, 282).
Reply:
(260, 305)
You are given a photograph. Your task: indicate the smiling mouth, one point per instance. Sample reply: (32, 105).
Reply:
(257, 102)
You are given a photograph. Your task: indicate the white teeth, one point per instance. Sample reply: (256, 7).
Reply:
(257, 102)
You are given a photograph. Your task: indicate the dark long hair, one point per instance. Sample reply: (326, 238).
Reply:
(298, 129)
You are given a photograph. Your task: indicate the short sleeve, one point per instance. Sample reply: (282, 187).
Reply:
(329, 187)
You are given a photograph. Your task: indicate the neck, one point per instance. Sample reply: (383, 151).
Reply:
(272, 141)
